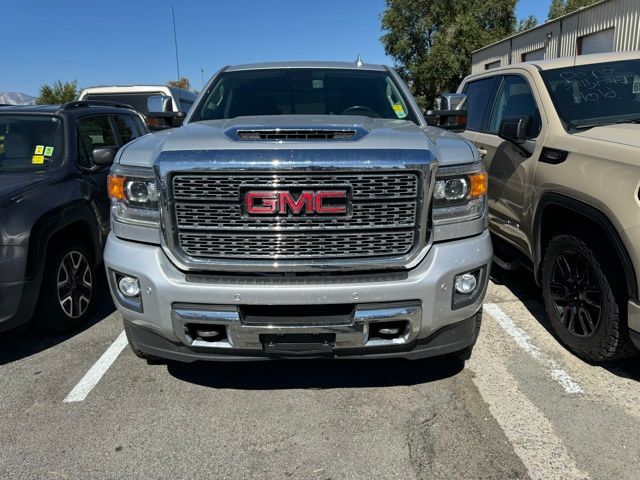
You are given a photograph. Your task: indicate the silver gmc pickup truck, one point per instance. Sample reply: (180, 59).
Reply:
(304, 209)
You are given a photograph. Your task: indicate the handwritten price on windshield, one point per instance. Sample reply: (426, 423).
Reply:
(594, 85)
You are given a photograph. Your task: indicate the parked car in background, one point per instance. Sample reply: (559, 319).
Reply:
(560, 140)
(54, 209)
(179, 101)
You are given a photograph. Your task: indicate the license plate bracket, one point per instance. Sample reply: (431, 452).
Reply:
(298, 344)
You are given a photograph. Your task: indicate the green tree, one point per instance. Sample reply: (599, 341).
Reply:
(563, 7)
(182, 83)
(57, 93)
(431, 40)
(527, 23)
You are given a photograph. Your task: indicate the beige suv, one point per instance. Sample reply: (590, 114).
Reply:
(560, 140)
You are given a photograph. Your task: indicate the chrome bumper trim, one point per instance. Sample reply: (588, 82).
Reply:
(349, 334)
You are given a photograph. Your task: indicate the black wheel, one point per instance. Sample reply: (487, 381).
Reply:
(68, 290)
(136, 351)
(580, 301)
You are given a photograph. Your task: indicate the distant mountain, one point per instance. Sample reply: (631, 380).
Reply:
(16, 98)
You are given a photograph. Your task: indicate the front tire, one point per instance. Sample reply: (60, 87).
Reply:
(580, 302)
(68, 291)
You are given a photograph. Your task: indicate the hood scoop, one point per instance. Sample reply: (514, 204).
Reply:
(296, 134)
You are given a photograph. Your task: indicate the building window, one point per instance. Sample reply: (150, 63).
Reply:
(533, 55)
(599, 42)
(490, 65)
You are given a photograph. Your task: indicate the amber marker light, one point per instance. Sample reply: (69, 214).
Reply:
(478, 186)
(115, 187)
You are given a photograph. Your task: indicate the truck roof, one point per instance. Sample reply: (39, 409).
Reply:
(306, 64)
(104, 89)
(565, 62)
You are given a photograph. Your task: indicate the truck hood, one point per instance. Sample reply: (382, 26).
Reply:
(376, 134)
(622, 133)
(13, 183)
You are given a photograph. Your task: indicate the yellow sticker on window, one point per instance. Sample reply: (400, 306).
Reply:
(39, 149)
(37, 159)
(400, 113)
(48, 151)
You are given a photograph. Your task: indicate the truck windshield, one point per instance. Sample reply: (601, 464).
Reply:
(303, 91)
(587, 96)
(30, 143)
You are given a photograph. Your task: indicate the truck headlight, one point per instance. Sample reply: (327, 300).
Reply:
(459, 196)
(134, 195)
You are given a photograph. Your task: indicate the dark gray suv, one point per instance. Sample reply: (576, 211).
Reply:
(54, 209)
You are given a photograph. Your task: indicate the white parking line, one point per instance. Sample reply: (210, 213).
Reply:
(523, 340)
(529, 431)
(95, 373)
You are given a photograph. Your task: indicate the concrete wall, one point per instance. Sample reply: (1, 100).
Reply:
(559, 38)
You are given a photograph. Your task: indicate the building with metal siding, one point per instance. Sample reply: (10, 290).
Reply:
(609, 25)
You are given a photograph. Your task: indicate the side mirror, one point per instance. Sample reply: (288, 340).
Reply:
(514, 130)
(450, 112)
(104, 156)
(160, 115)
(450, 101)
(158, 104)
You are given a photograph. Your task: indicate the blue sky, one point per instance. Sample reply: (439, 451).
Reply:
(125, 42)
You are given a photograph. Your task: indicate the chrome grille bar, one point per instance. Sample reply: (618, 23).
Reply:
(386, 226)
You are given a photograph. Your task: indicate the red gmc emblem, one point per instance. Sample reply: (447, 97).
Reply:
(282, 202)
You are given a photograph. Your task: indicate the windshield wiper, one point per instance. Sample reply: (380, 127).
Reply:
(587, 126)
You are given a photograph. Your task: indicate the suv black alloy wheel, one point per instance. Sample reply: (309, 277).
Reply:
(579, 299)
(576, 294)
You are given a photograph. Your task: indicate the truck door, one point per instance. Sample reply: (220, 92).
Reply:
(510, 168)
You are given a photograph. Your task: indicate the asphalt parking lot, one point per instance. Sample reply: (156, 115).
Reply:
(522, 407)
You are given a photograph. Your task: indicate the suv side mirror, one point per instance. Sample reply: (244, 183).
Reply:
(514, 130)
(158, 104)
(104, 156)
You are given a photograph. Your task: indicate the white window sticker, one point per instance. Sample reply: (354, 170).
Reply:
(636, 84)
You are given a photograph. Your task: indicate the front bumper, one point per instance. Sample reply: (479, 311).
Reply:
(421, 298)
(16, 299)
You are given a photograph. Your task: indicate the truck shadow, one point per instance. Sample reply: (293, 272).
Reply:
(315, 374)
(15, 345)
(522, 284)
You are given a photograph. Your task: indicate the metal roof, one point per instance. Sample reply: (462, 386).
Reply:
(545, 24)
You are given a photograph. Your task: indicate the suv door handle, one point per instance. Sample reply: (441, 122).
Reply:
(482, 152)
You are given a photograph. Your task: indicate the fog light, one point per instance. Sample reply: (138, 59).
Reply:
(129, 286)
(466, 283)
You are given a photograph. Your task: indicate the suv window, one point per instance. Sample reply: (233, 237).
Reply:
(93, 132)
(478, 100)
(515, 100)
(128, 127)
(30, 143)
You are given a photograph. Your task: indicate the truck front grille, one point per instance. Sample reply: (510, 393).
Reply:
(210, 221)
